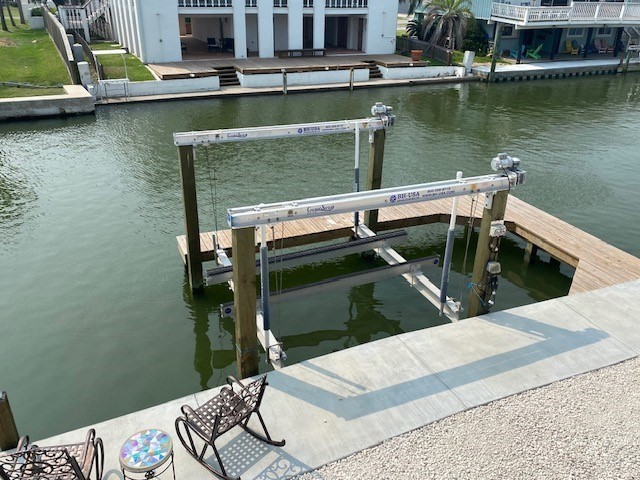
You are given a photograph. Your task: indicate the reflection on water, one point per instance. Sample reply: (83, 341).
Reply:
(17, 196)
(94, 300)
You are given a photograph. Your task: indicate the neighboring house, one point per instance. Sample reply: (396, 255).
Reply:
(590, 27)
(151, 29)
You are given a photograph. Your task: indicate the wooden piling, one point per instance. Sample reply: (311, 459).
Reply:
(244, 300)
(626, 62)
(192, 227)
(8, 432)
(530, 252)
(486, 251)
(496, 50)
(374, 175)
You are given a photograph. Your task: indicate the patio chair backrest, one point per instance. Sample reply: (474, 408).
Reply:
(40, 463)
(211, 42)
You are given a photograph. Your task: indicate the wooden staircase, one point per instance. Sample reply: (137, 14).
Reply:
(91, 19)
(374, 71)
(227, 76)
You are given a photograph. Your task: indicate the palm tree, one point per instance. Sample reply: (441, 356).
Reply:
(444, 22)
(13, 22)
(3, 22)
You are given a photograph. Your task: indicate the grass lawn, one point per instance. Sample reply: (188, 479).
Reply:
(29, 56)
(113, 65)
(457, 58)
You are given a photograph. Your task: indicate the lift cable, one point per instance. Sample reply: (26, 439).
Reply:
(472, 219)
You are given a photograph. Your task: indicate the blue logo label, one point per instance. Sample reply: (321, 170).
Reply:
(392, 199)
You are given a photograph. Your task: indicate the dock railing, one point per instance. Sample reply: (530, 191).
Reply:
(89, 55)
(59, 37)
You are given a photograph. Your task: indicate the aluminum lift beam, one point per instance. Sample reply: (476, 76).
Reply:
(266, 214)
(377, 274)
(416, 279)
(383, 117)
(225, 273)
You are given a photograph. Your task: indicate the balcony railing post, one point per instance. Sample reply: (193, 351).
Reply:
(597, 14)
(623, 10)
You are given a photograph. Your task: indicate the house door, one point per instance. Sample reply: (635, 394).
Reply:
(360, 33)
(343, 30)
(307, 32)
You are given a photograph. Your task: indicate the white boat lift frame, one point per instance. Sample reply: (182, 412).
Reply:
(267, 214)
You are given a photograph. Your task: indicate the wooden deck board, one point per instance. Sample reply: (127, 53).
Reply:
(598, 264)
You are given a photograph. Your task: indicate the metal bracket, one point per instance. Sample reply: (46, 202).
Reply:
(488, 200)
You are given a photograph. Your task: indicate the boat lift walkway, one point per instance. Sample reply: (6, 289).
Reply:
(333, 406)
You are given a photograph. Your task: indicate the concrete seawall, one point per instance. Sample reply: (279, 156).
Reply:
(76, 100)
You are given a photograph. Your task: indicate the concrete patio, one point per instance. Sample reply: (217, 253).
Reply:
(332, 406)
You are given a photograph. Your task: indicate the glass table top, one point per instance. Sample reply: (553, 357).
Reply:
(146, 450)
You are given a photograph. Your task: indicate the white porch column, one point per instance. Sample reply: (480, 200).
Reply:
(265, 28)
(115, 21)
(318, 23)
(139, 29)
(294, 24)
(239, 29)
(121, 25)
(130, 25)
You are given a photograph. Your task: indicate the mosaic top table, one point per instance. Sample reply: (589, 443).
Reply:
(145, 452)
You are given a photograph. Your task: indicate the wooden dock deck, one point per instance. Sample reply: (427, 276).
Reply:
(597, 263)
(255, 65)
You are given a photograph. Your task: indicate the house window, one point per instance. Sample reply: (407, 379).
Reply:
(575, 32)
(604, 32)
(509, 32)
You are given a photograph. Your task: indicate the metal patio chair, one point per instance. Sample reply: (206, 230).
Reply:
(219, 415)
(63, 462)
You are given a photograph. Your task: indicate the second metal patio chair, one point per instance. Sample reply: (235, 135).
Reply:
(219, 415)
(64, 462)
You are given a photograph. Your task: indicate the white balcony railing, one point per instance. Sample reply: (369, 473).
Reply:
(346, 3)
(276, 3)
(577, 12)
(205, 3)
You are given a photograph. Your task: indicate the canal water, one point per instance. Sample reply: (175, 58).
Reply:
(96, 319)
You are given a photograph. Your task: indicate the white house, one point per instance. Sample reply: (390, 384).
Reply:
(560, 26)
(151, 29)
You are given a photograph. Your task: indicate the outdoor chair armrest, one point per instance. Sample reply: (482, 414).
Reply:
(90, 440)
(231, 380)
(23, 443)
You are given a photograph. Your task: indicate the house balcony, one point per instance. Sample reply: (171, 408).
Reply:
(276, 3)
(576, 14)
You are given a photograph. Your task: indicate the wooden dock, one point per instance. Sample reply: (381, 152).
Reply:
(255, 65)
(597, 264)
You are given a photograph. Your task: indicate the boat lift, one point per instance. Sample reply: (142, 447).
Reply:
(267, 214)
(508, 175)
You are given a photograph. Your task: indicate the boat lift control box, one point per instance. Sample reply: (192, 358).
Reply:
(497, 229)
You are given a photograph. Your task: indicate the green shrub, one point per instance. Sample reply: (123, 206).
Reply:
(414, 29)
(36, 12)
(476, 39)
